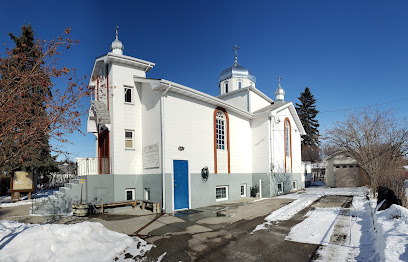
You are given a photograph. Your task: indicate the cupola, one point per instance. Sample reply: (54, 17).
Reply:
(117, 46)
(235, 77)
(280, 93)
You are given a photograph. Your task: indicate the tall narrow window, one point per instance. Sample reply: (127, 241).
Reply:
(129, 138)
(128, 95)
(226, 87)
(220, 130)
(287, 138)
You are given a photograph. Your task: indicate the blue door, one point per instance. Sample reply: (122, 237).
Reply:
(180, 184)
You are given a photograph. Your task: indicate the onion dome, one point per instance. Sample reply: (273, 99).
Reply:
(236, 70)
(117, 46)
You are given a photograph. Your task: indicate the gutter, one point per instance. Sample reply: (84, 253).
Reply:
(162, 129)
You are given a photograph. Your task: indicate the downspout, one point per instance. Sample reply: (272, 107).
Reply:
(162, 129)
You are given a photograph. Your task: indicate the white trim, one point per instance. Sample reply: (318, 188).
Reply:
(131, 88)
(226, 193)
(133, 139)
(133, 193)
(245, 189)
(281, 191)
(294, 185)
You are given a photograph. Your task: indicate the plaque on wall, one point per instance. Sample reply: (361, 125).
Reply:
(151, 156)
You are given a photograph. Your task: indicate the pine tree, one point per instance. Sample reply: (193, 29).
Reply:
(307, 113)
(25, 57)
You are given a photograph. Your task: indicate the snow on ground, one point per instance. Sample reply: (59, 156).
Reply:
(75, 242)
(303, 200)
(5, 201)
(392, 226)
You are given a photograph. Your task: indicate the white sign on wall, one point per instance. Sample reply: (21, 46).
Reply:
(151, 156)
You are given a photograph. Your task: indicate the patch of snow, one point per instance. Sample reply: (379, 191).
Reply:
(392, 225)
(316, 228)
(5, 201)
(288, 211)
(53, 242)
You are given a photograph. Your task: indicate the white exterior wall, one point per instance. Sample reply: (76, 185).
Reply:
(190, 123)
(278, 149)
(260, 145)
(239, 99)
(240, 148)
(124, 117)
(256, 102)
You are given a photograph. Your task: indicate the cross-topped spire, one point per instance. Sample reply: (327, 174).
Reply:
(279, 79)
(116, 31)
(236, 52)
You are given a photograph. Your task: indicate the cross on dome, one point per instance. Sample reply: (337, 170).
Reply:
(236, 52)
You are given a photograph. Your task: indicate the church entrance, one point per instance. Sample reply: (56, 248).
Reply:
(103, 153)
(181, 192)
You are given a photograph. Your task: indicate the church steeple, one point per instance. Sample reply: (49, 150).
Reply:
(117, 46)
(280, 93)
(235, 77)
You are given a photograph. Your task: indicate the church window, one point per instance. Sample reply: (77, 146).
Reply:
(128, 95)
(130, 194)
(129, 138)
(287, 138)
(226, 87)
(220, 130)
(239, 85)
(221, 193)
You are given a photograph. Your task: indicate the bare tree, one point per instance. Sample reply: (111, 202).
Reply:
(28, 115)
(375, 139)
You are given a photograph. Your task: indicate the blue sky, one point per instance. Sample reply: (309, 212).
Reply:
(350, 54)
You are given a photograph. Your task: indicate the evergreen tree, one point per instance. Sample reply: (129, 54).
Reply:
(307, 113)
(25, 57)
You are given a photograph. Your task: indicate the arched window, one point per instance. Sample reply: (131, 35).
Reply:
(287, 138)
(220, 130)
(221, 141)
(288, 146)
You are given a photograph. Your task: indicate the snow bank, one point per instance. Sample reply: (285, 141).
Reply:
(52, 242)
(392, 226)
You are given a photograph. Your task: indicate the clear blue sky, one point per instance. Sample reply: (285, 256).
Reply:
(349, 53)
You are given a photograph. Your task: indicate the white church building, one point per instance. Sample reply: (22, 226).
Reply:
(162, 141)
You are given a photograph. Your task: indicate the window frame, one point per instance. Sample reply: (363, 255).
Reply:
(221, 131)
(133, 190)
(132, 139)
(130, 88)
(245, 190)
(282, 190)
(294, 185)
(226, 193)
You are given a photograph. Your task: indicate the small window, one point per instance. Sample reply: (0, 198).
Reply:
(129, 139)
(280, 188)
(147, 193)
(128, 95)
(243, 190)
(130, 194)
(239, 85)
(294, 185)
(221, 193)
